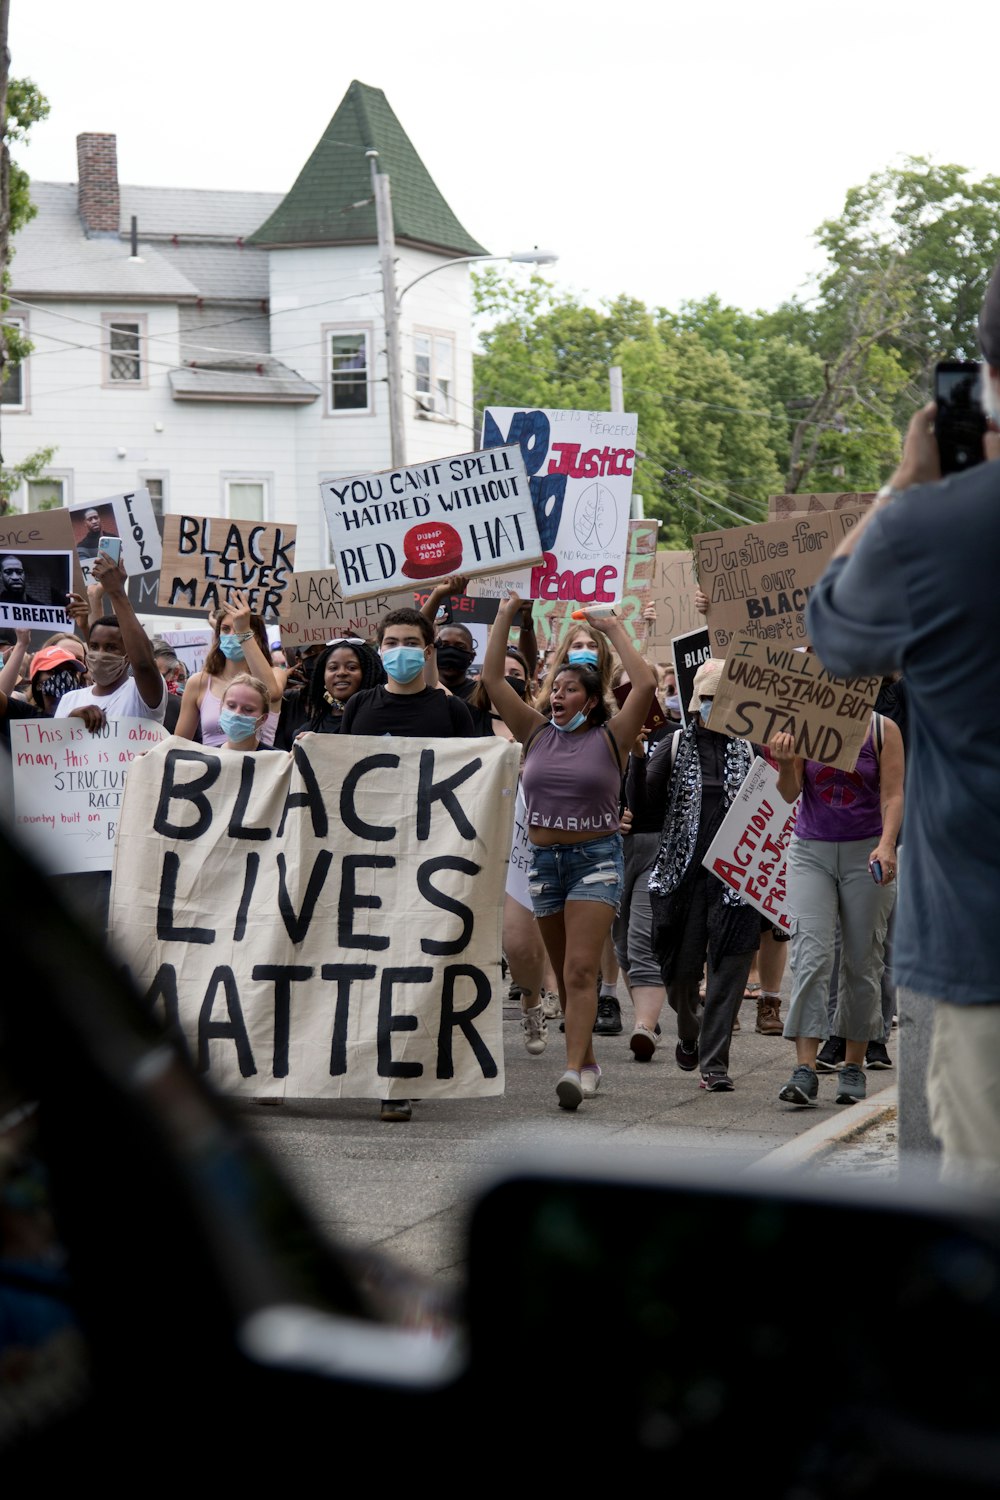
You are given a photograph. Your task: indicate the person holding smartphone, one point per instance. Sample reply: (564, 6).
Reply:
(841, 864)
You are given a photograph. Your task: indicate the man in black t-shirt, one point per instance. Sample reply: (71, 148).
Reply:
(405, 706)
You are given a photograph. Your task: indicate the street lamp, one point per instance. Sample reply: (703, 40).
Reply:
(392, 300)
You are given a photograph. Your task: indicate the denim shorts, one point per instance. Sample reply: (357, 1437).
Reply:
(593, 871)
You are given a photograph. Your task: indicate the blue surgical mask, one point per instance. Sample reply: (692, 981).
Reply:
(705, 709)
(582, 658)
(672, 704)
(235, 726)
(403, 663)
(231, 647)
(571, 724)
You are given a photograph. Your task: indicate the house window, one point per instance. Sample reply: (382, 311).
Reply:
(124, 356)
(350, 370)
(46, 494)
(154, 485)
(434, 357)
(13, 388)
(245, 499)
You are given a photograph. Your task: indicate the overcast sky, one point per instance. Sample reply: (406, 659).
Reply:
(664, 151)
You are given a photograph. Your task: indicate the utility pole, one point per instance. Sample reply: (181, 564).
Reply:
(4, 177)
(387, 265)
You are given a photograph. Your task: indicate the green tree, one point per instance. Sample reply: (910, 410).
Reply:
(704, 453)
(21, 105)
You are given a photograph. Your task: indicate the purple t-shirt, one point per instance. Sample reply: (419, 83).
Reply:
(838, 806)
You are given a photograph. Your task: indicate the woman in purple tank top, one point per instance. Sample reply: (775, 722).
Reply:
(572, 788)
(841, 865)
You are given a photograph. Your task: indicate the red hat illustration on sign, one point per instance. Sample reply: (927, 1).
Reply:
(431, 548)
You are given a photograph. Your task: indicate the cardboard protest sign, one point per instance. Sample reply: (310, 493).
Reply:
(470, 513)
(44, 570)
(128, 516)
(749, 852)
(673, 588)
(766, 690)
(758, 578)
(781, 506)
(323, 924)
(190, 646)
(688, 651)
(68, 786)
(316, 610)
(580, 467)
(206, 557)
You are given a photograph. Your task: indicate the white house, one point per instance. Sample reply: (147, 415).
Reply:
(227, 349)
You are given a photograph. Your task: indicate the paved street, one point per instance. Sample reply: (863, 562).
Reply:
(407, 1188)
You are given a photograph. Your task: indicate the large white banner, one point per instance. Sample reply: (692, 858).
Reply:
(68, 787)
(750, 850)
(326, 923)
(471, 514)
(580, 467)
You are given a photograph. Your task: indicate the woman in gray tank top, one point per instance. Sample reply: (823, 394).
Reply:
(571, 782)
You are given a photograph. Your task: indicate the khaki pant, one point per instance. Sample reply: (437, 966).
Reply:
(963, 1091)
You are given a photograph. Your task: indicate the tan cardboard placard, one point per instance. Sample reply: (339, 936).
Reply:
(325, 924)
(315, 610)
(780, 506)
(206, 557)
(766, 690)
(672, 591)
(758, 578)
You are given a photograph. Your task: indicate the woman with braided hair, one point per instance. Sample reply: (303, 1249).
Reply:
(343, 669)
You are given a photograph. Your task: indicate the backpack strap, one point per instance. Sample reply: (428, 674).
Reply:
(879, 734)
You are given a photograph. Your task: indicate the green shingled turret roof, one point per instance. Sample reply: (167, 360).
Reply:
(318, 209)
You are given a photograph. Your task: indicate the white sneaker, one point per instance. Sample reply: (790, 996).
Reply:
(550, 1005)
(590, 1080)
(535, 1029)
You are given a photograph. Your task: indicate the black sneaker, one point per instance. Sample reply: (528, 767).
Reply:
(876, 1057)
(686, 1054)
(802, 1088)
(395, 1111)
(609, 1017)
(831, 1055)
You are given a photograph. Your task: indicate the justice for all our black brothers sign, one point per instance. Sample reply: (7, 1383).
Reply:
(470, 514)
(326, 924)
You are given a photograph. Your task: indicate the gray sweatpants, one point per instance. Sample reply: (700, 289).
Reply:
(827, 880)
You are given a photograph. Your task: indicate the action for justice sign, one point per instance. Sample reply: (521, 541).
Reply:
(206, 557)
(758, 578)
(324, 924)
(750, 851)
(470, 514)
(580, 467)
(766, 690)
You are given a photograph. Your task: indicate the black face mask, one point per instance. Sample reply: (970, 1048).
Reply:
(518, 684)
(454, 658)
(65, 679)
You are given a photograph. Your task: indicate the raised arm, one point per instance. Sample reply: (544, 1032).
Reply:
(519, 716)
(138, 647)
(791, 767)
(237, 607)
(12, 666)
(629, 719)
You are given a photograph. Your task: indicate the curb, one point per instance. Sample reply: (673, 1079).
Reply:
(825, 1137)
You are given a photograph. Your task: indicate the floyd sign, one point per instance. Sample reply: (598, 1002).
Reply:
(470, 514)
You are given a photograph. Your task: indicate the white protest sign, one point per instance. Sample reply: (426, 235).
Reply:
(33, 589)
(68, 786)
(580, 467)
(470, 514)
(129, 516)
(324, 924)
(749, 852)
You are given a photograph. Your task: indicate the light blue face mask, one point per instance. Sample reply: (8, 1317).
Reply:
(403, 663)
(705, 709)
(582, 658)
(231, 648)
(236, 726)
(571, 724)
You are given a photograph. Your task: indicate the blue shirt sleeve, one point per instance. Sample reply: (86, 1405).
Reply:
(858, 616)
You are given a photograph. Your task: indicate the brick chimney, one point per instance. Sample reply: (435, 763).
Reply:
(98, 197)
